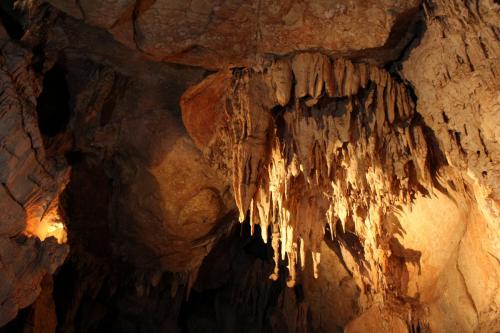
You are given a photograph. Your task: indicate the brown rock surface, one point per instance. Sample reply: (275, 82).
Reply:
(455, 74)
(361, 166)
(25, 261)
(163, 200)
(30, 182)
(356, 140)
(215, 34)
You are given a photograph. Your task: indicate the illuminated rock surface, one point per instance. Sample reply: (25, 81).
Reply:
(325, 167)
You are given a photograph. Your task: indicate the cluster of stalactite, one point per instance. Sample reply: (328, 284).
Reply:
(318, 141)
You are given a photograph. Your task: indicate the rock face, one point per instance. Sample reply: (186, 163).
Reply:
(355, 142)
(214, 34)
(323, 145)
(30, 184)
(455, 74)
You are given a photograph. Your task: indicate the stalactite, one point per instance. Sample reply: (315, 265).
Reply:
(341, 149)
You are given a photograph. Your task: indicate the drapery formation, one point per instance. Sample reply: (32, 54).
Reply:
(317, 142)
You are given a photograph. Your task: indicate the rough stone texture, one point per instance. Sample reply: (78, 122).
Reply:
(203, 108)
(29, 183)
(41, 316)
(214, 34)
(454, 71)
(366, 156)
(455, 74)
(169, 225)
(349, 156)
(25, 261)
(163, 200)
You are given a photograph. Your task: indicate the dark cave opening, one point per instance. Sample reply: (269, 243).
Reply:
(233, 300)
(65, 283)
(231, 292)
(53, 103)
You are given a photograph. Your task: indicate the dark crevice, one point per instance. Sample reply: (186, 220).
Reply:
(256, 247)
(351, 242)
(11, 18)
(65, 284)
(53, 103)
(445, 117)
(418, 31)
(227, 271)
(38, 58)
(405, 34)
(414, 34)
(74, 157)
(19, 324)
(119, 87)
(436, 157)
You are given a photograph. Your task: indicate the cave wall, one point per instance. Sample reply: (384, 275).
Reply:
(454, 72)
(30, 185)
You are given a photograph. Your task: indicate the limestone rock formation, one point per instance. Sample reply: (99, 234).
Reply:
(215, 34)
(29, 189)
(456, 80)
(317, 142)
(249, 166)
(349, 156)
